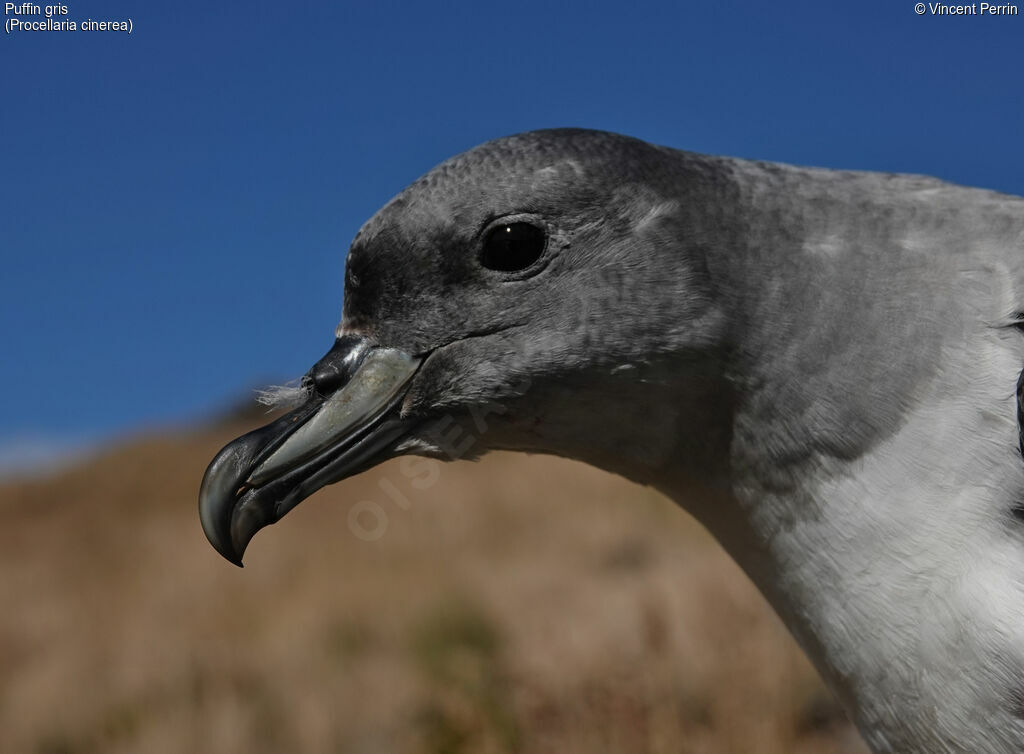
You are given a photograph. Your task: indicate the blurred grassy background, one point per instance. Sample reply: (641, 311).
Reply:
(520, 604)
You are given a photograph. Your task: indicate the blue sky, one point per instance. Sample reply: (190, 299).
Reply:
(176, 203)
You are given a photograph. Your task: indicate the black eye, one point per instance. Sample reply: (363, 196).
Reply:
(510, 247)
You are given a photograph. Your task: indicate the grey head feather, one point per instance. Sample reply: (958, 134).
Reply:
(760, 299)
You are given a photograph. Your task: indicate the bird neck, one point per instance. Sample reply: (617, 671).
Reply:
(897, 570)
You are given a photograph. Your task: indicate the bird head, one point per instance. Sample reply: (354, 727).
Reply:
(546, 292)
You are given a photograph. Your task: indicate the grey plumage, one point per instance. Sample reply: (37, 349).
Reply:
(811, 361)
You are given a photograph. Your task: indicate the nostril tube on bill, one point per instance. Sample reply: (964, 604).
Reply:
(339, 364)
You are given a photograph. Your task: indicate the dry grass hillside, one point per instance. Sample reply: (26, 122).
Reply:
(517, 605)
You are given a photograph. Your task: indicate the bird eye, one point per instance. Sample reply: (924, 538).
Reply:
(511, 247)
